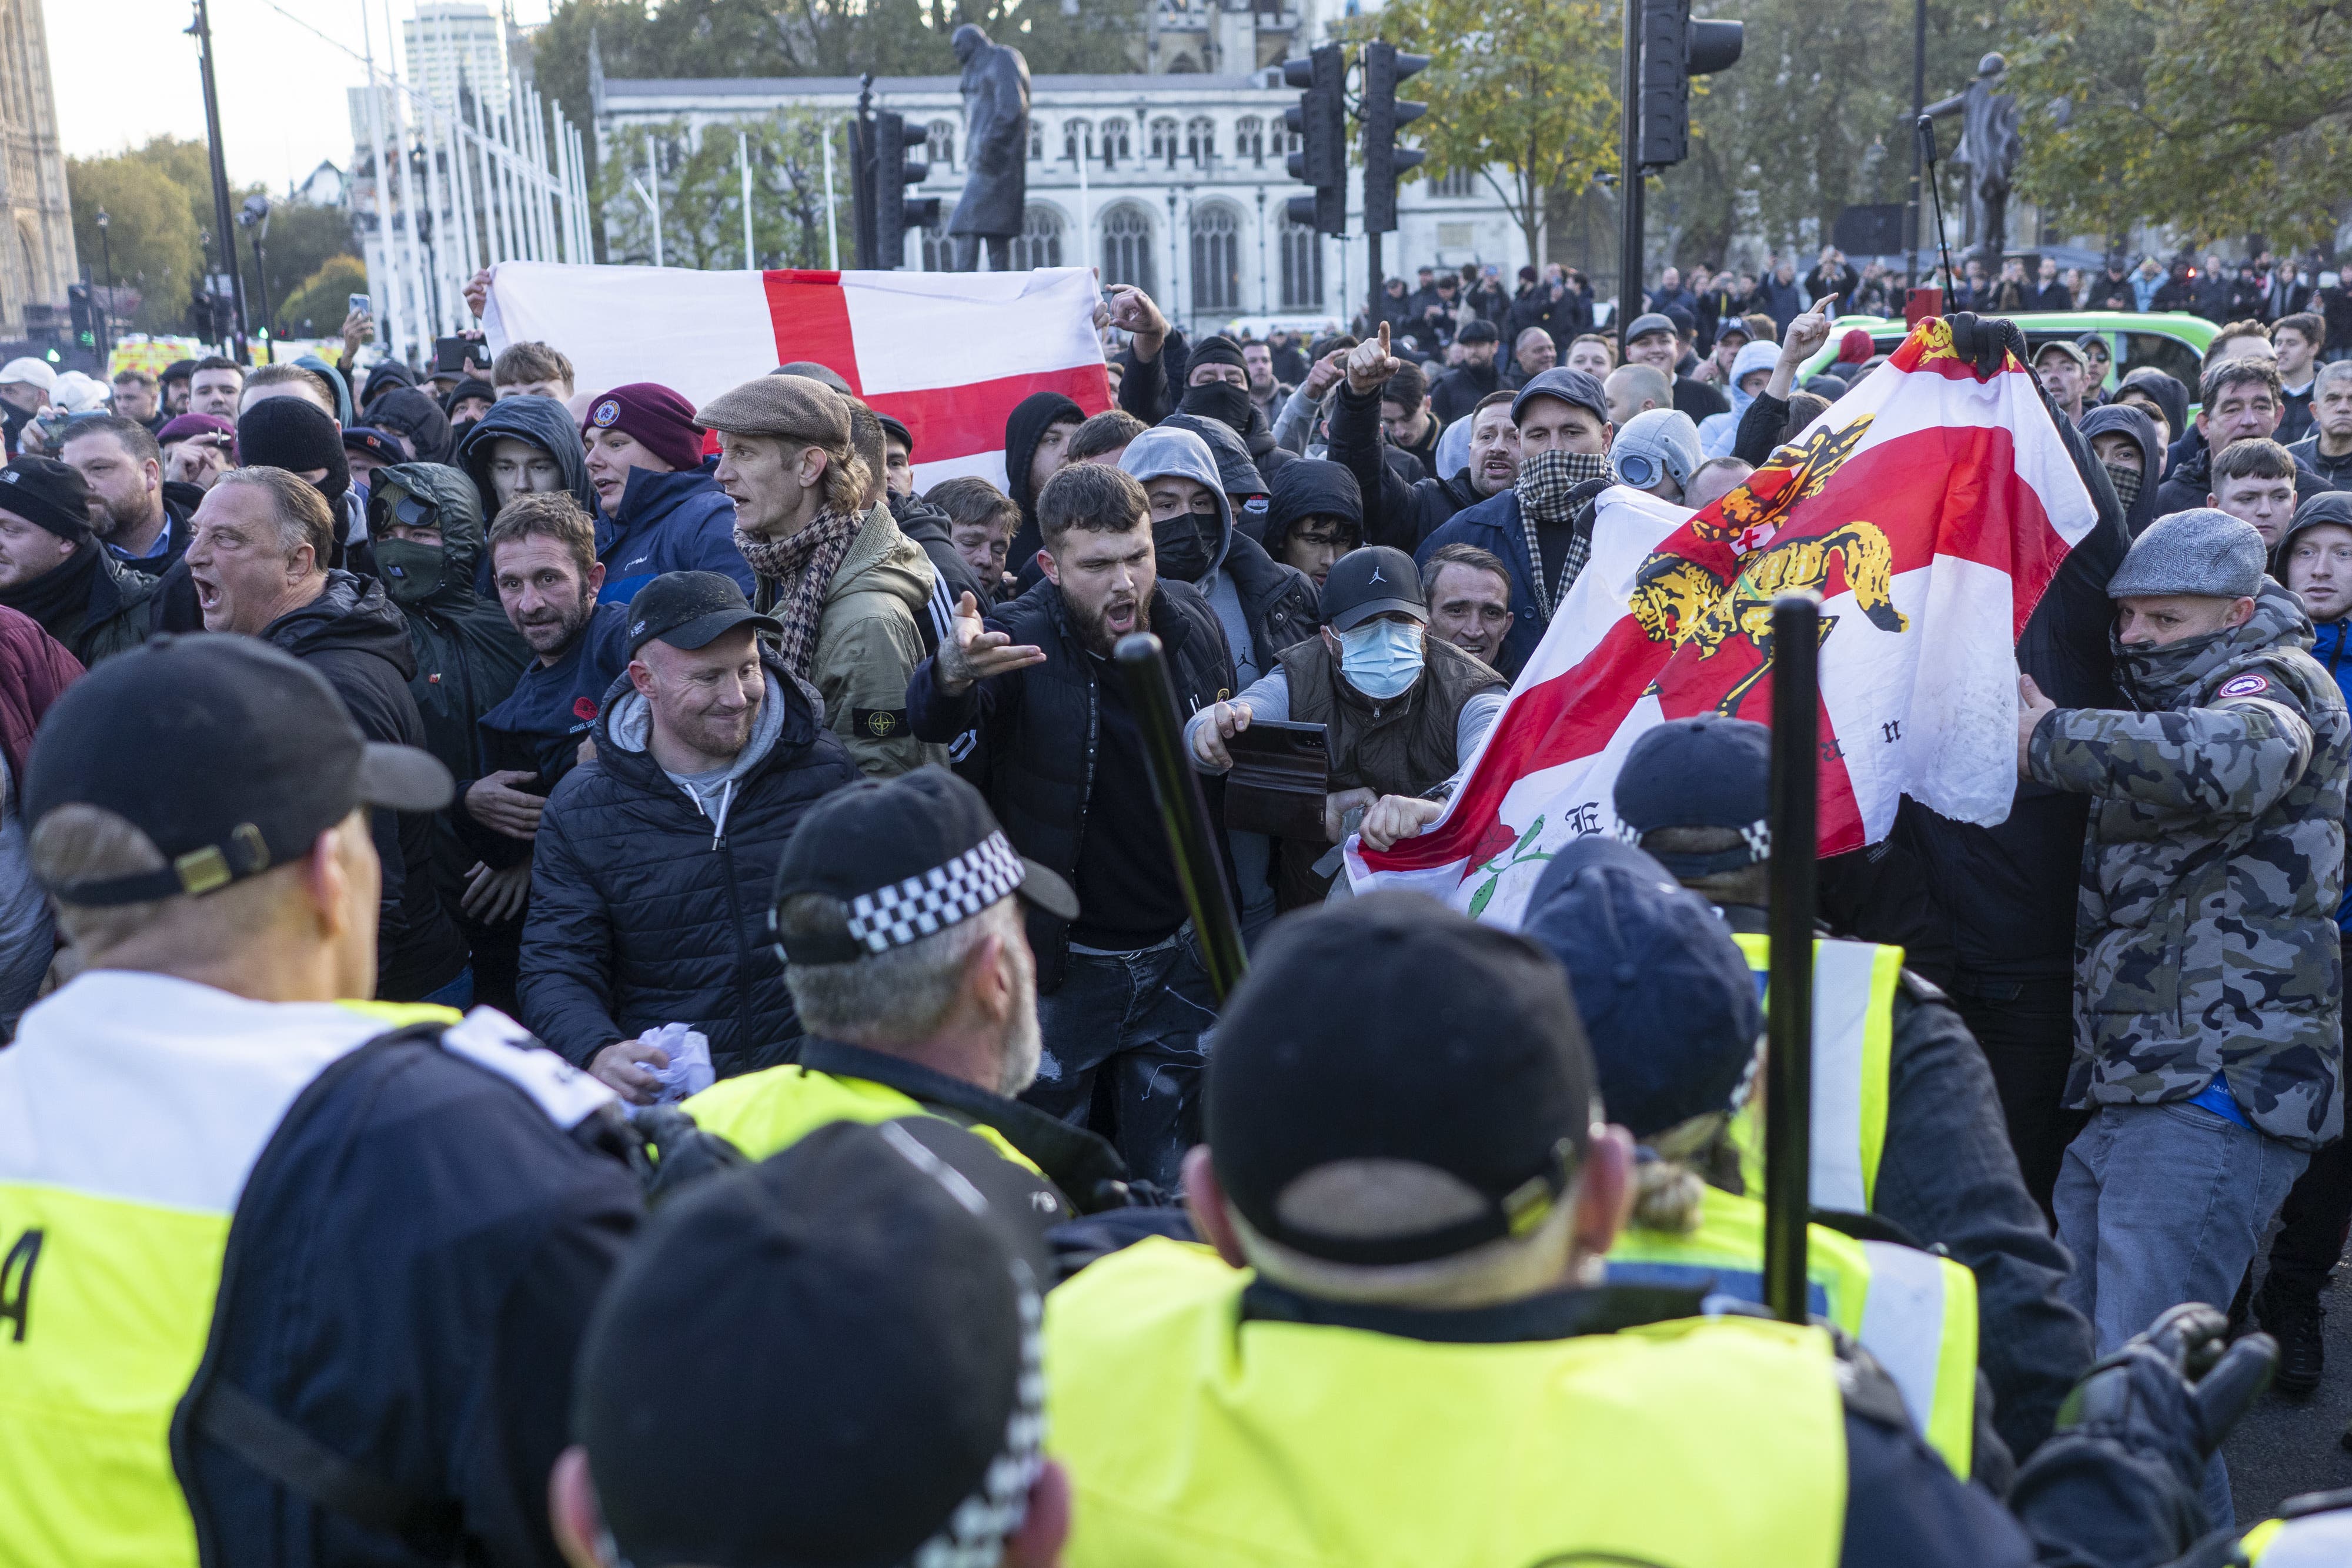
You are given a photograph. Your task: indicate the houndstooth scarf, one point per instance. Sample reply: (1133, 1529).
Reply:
(1547, 489)
(801, 565)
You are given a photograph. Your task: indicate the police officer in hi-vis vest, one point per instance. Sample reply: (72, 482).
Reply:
(291, 1277)
(1907, 1127)
(1673, 1017)
(1394, 1352)
(897, 913)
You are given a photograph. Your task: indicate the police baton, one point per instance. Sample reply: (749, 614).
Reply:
(1789, 998)
(1184, 811)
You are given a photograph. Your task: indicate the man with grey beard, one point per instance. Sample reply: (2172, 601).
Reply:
(915, 1005)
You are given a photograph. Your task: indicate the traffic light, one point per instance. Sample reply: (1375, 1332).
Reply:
(84, 319)
(1384, 161)
(1675, 48)
(895, 169)
(1320, 121)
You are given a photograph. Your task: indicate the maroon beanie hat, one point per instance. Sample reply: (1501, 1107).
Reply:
(655, 417)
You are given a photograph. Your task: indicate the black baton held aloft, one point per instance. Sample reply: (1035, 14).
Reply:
(1788, 1000)
(1184, 811)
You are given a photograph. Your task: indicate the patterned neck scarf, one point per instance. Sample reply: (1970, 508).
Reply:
(802, 567)
(2127, 482)
(1546, 487)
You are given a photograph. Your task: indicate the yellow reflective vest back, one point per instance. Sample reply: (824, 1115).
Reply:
(767, 1112)
(1197, 1438)
(1853, 1043)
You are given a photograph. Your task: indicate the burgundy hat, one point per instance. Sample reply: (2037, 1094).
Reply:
(657, 418)
(187, 425)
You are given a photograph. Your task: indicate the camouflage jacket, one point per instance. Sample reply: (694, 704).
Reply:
(2205, 935)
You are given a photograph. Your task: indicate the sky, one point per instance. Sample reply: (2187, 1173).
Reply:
(125, 70)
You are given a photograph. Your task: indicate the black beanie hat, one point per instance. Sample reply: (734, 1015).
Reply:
(49, 494)
(1218, 349)
(296, 434)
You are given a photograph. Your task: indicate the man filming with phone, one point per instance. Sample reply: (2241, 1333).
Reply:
(1402, 712)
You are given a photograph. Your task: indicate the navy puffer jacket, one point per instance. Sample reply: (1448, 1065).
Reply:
(648, 906)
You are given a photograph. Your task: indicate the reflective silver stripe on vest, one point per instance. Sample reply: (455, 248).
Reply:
(1903, 1321)
(1842, 992)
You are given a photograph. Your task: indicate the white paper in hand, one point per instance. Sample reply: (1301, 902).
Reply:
(689, 1070)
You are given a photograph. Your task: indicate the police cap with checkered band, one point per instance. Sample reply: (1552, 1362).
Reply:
(903, 857)
(1704, 772)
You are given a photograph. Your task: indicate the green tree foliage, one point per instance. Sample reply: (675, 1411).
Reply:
(1815, 116)
(317, 306)
(2218, 118)
(149, 236)
(1524, 93)
(677, 39)
(702, 193)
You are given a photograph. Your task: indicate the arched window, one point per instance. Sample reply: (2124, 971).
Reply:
(942, 138)
(1201, 139)
(1302, 268)
(1455, 183)
(1078, 140)
(1039, 243)
(1249, 139)
(1216, 256)
(1036, 141)
(1163, 142)
(1127, 247)
(1116, 147)
(938, 250)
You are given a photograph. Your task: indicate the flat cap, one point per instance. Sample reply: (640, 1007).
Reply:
(791, 405)
(2202, 551)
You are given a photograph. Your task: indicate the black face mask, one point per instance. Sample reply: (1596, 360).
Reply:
(1221, 400)
(1180, 546)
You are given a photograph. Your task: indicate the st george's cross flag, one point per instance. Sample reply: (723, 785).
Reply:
(1927, 510)
(949, 354)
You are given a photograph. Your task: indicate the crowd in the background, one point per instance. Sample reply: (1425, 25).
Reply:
(689, 667)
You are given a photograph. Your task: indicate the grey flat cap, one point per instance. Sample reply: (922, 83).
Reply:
(2202, 551)
(1654, 322)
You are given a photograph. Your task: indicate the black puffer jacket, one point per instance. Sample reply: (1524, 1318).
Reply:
(1041, 727)
(1396, 513)
(646, 910)
(356, 637)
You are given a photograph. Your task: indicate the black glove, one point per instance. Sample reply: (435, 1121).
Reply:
(679, 1153)
(1985, 341)
(2174, 1392)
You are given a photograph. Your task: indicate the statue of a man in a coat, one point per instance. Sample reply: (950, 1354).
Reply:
(996, 149)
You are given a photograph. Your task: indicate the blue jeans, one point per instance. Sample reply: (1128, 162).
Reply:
(2161, 1205)
(458, 993)
(1139, 1016)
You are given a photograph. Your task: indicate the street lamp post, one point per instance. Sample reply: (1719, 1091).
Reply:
(421, 216)
(106, 307)
(254, 216)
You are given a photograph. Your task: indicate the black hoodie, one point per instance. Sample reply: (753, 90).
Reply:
(2122, 419)
(1024, 428)
(544, 424)
(357, 638)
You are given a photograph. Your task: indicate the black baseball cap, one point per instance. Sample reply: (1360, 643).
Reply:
(1371, 581)
(1670, 1007)
(1703, 772)
(1580, 388)
(829, 1358)
(905, 857)
(688, 609)
(380, 445)
(244, 756)
(1391, 1028)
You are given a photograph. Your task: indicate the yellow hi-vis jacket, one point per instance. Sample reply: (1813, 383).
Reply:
(1853, 1043)
(1914, 1312)
(121, 1162)
(767, 1112)
(1198, 1437)
(2316, 1533)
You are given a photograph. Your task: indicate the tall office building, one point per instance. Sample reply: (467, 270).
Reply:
(450, 41)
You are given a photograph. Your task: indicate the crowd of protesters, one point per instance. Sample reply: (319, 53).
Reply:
(757, 785)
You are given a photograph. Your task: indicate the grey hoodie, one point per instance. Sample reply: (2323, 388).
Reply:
(712, 792)
(1161, 451)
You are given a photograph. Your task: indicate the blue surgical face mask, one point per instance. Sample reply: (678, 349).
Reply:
(1381, 659)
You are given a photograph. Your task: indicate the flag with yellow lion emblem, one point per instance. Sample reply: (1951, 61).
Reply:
(1928, 509)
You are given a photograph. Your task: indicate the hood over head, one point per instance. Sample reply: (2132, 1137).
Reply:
(415, 415)
(327, 371)
(1312, 487)
(2169, 395)
(1237, 475)
(435, 494)
(543, 422)
(2122, 419)
(1164, 450)
(383, 377)
(1024, 427)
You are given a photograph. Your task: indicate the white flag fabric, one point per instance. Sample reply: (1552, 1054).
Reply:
(1928, 510)
(949, 354)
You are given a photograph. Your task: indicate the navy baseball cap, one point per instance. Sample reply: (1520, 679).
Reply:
(903, 857)
(1669, 1005)
(1392, 1033)
(1578, 387)
(689, 609)
(1703, 772)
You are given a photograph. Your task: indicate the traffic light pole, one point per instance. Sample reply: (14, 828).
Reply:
(203, 29)
(1629, 181)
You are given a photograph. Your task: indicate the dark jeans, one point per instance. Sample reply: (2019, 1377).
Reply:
(1141, 1015)
(2026, 1028)
(2315, 1217)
